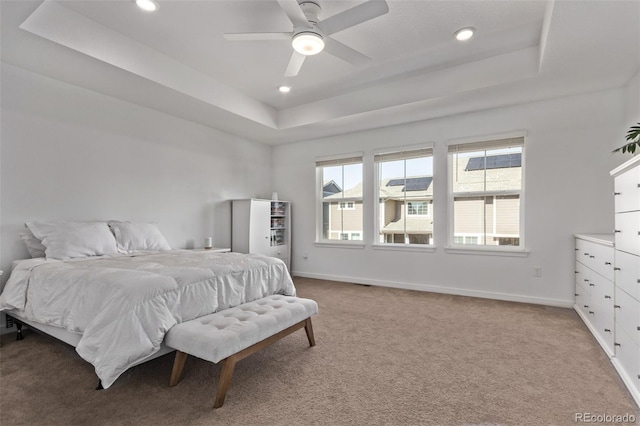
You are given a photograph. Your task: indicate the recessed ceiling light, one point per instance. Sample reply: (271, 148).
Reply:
(464, 33)
(148, 5)
(284, 89)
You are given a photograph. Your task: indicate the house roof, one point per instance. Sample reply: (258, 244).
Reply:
(410, 225)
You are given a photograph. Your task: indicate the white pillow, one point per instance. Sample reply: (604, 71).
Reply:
(34, 245)
(131, 237)
(68, 240)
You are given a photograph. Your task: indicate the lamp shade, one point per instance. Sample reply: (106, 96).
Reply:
(307, 43)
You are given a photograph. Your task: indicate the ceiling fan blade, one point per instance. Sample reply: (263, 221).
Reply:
(295, 63)
(293, 11)
(354, 16)
(257, 36)
(344, 52)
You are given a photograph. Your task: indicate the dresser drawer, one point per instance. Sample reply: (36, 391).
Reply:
(596, 257)
(627, 311)
(627, 190)
(627, 353)
(627, 271)
(583, 299)
(627, 233)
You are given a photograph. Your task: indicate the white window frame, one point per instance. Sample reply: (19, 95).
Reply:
(343, 160)
(406, 152)
(426, 207)
(496, 142)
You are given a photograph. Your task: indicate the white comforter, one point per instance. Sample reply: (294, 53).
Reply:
(124, 304)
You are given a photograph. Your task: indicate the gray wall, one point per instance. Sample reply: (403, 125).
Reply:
(567, 183)
(72, 154)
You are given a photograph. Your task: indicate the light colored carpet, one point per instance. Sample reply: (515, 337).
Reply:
(383, 357)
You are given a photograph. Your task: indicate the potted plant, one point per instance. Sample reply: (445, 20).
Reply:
(633, 136)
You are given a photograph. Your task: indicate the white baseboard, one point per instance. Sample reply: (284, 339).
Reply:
(445, 290)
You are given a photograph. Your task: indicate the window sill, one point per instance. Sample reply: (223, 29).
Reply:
(404, 247)
(343, 244)
(488, 251)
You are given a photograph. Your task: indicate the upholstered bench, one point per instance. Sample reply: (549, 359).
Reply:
(235, 333)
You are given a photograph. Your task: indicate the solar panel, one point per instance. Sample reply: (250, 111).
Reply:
(395, 182)
(495, 162)
(418, 184)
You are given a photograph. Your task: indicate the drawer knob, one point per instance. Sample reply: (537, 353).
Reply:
(586, 306)
(576, 249)
(617, 231)
(607, 263)
(616, 306)
(586, 254)
(606, 330)
(586, 280)
(607, 297)
(591, 285)
(617, 193)
(617, 344)
(576, 294)
(576, 272)
(591, 257)
(615, 268)
(591, 312)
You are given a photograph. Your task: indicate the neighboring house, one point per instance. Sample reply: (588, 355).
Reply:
(487, 199)
(485, 212)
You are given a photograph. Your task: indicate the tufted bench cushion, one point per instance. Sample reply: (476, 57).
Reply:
(234, 333)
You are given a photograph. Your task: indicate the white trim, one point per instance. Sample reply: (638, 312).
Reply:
(404, 247)
(339, 157)
(443, 290)
(399, 149)
(494, 136)
(488, 251)
(340, 244)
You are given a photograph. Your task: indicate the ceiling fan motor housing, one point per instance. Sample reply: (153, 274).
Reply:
(311, 10)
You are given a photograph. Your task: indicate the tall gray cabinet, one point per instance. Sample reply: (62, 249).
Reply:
(262, 227)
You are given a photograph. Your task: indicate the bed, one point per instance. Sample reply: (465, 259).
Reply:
(116, 305)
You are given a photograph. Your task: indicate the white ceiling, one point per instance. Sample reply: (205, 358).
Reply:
(176, 59)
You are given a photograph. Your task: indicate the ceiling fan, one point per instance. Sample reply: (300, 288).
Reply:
(310, 35)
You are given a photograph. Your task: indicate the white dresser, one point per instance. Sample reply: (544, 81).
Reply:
(627, 274)
(595, 287)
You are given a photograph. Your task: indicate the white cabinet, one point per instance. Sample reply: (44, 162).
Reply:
(262, 227)
(627, 274)
(594, 287)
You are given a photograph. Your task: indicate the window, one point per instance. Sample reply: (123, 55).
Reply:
(418, 208)
(405, 197)
(340, 199)
(486, 192)
(346, 205)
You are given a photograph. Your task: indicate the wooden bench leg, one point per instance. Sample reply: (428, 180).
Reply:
(309, 329)
(228, 365)
(178, 365)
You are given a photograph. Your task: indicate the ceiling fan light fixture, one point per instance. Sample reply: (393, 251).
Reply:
(464, 33)
(148, 5)
(307, 43)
